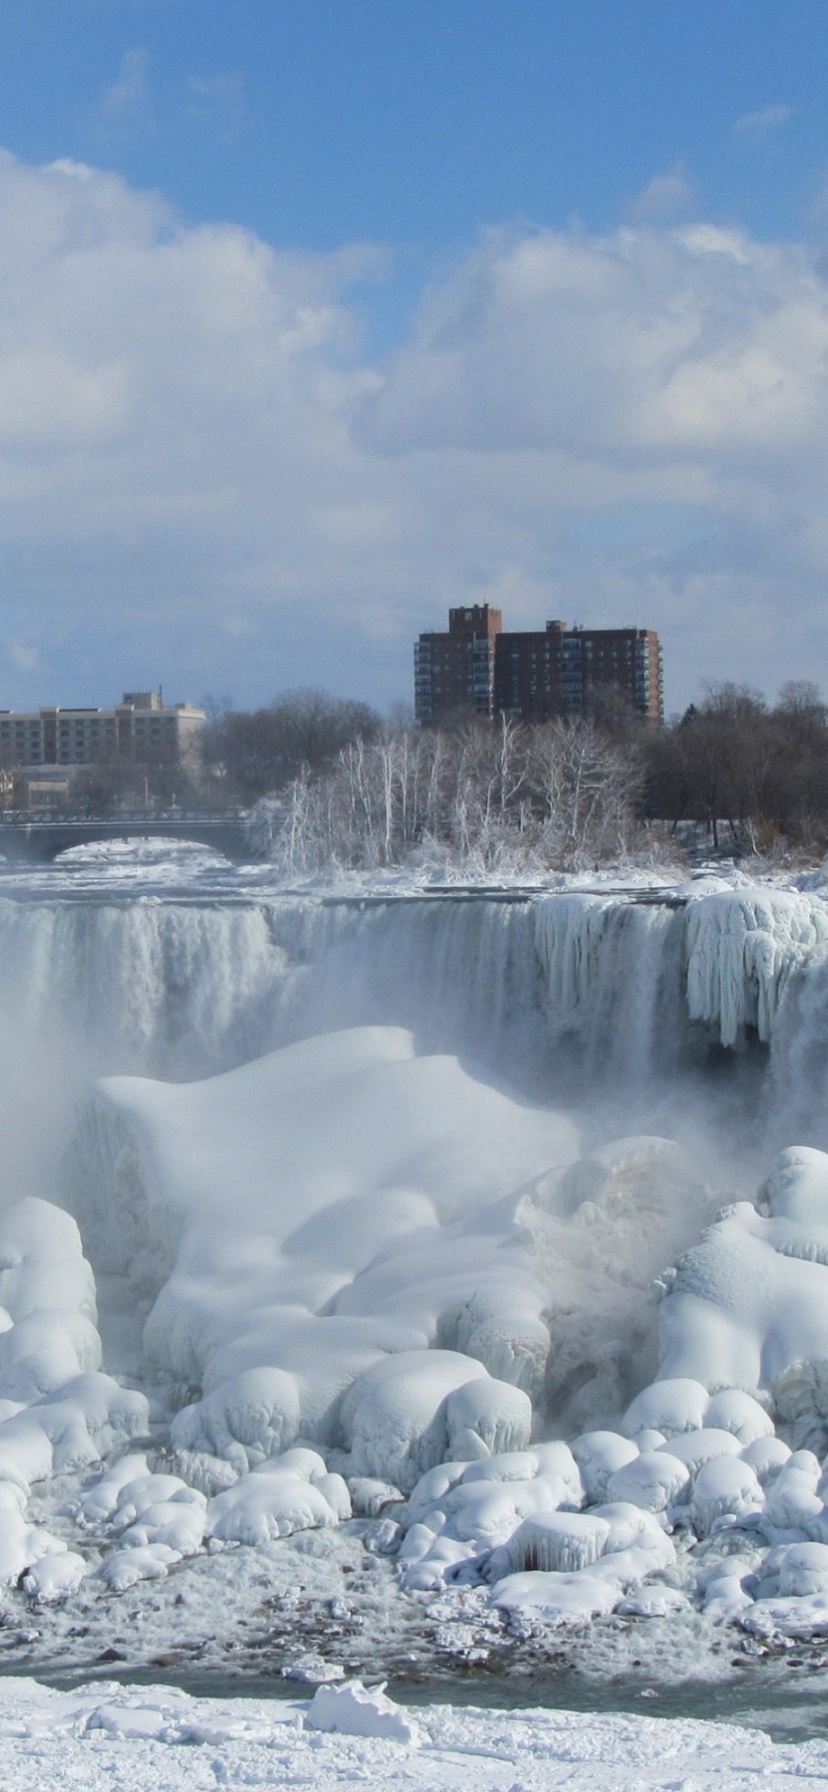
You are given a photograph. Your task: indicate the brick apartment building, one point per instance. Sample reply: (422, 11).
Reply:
(533, 675)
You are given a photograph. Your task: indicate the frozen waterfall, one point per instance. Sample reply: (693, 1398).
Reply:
(570, 990)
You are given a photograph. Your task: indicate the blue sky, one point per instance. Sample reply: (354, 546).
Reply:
(314, 320)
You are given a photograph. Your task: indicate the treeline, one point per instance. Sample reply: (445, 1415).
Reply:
(254, 753)
(761, 771)
(485, 796)
(338, 786)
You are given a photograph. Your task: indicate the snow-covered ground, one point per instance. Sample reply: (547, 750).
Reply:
(361, 1354)
(158, 1738)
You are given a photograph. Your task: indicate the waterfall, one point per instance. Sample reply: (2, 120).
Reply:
(555, 992)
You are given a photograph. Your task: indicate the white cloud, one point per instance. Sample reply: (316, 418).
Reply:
(665, 199)
(196, 465)
(754, 127)
(128, 96)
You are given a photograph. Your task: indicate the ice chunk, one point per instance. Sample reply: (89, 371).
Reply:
(370, 1497)
(673, 1405)
(724, 1487)
(654, 1602)
(126, 1567)
(556, 1599)
(351, 1710)
(136, 1495)
(792, 1501)
(433, 1486)
(176, 1522)
(766, 1455)
(100, 1500)
(558, 1542)
(484, 1418)
(92, 1416)
(395, 1415)
(797, 1188)
(598, 1455)
(22, 1545)
(249, 1418)
(734, 1411)
(630, 1526)
(696, 1447)
(653, 1481)
(55, 1576)
(803, 1568)
(292, 1493)
(748, 1308)
(725, 1596)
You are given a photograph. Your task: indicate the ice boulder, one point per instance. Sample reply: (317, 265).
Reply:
(47, 1302)
(793, 1501)
(55, 1576)
(125, 1568)
(560, 1542)
(748, 1308)
(484, 1418)
(654, 1481)
(555, 1599)
(155, 1508)
(405, 1414)
(353, 1710)
(291, 1493)
(670, 1405)
(802, 1568)
(246, 1420)
(598, 1455)
(725, 1487)
(78, 1426)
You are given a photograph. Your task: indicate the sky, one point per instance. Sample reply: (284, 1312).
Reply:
(316, 320)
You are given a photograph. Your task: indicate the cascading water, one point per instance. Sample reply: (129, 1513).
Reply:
(579, 989)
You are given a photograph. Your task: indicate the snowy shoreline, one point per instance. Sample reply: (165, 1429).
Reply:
(159, 1738)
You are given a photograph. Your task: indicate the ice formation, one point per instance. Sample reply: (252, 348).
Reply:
(608, 978)
(379, 1286)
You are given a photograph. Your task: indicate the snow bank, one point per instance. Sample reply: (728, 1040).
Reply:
(156, 1737)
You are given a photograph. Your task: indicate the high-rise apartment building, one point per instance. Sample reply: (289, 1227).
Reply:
(456, 670)
(533, 675)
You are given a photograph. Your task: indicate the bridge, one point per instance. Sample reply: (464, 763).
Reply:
(38, 840)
